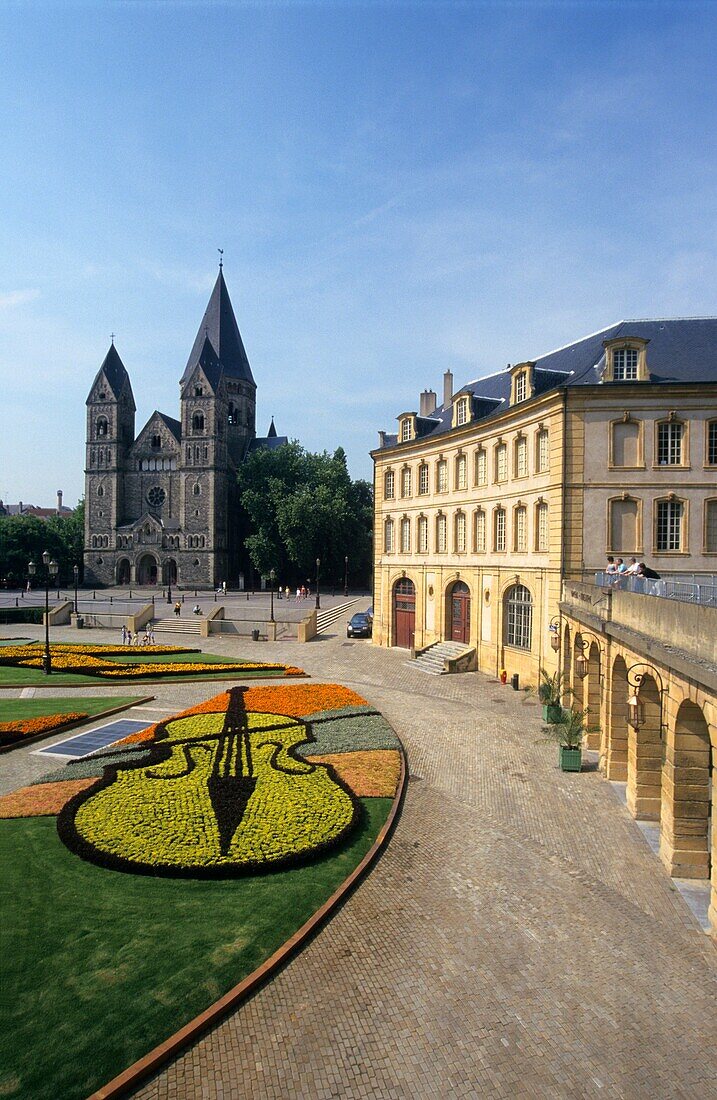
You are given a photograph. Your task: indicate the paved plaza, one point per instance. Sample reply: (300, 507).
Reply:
(518, 937)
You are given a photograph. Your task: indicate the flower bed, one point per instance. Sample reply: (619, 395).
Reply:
(96, 661)
(11, 732)
(239, 784)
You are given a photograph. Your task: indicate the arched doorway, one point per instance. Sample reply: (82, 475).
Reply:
(404, 613)
(169, 572)
(644, 756)
(686, 833)
(123, 571)
(593, 700)
(147, 570)
(458, 612)
(616, 763)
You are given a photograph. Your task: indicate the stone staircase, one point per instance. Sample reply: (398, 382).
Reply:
(325, 619)
(177, 624)
(431, 660)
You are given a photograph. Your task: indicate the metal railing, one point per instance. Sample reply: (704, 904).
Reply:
(698, 588)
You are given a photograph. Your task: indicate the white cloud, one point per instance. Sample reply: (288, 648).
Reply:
(18, 298)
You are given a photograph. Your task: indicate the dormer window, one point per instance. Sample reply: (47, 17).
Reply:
(624, 368)
(520, 387)
(521, 382)
(406, 427)
(462, 411)
(626, 360)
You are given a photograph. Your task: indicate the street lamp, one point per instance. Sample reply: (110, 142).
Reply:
(554, 629)
(346, 575)
(50, 574)
(76, 573)
(272, 574)
(583, 641)
(635, 708)
(318, 566)
(169, 586)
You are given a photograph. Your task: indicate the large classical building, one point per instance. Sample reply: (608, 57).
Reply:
(535, 473)
(161, 506)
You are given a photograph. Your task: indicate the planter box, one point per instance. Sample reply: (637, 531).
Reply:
(553, 713)
(571, 760)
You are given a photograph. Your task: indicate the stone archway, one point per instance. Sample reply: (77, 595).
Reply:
(458, 613)
(147, 570)
(123, 571)
(592, 696)
(617, 732)
(685, 830)
(644, 756)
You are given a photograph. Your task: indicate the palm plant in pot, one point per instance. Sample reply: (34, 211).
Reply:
(570, 732)
(552, 689)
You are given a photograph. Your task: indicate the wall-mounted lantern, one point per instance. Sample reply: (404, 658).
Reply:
(635, 706)
(583, 641)
(555, 633)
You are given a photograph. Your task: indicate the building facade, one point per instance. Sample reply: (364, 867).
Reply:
(160, 506)
(534, 474)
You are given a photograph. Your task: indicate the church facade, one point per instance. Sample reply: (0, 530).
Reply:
(161, 506)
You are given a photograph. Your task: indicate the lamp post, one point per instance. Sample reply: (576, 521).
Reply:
(50, 574)
(75, 573)
(554, 629)
(635, 709)
(169, 587)
(318, 566)
(272, 574)
(583, 641)
(346, 575)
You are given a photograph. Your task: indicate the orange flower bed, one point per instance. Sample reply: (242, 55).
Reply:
(371, 773)
(298, 700)
(42, 800)
(29, 727)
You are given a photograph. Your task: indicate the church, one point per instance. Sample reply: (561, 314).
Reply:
(161, 507)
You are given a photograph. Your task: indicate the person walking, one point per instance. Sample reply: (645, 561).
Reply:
(177, 609)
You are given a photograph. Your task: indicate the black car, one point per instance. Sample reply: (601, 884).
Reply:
(359, 626)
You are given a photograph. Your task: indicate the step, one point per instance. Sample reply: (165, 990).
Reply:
(176, 626)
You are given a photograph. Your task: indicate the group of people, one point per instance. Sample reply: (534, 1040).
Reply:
(130, 638)
(302, 593)
(617, 570)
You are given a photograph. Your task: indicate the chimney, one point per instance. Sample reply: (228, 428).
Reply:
(382, 439)
(59, 502)
(427, 403)
(20, 507)
(447, 388)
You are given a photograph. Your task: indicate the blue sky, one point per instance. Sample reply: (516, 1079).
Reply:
(399, 188)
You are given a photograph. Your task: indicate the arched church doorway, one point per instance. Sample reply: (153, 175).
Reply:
(123, 571)
(169, 572)
(147, 569)
(458, 610)
(404, 613)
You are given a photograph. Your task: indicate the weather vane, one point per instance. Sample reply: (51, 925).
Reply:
(221, 254)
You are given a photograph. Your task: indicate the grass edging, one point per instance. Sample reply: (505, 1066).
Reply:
(79, 722)
(149, 1063)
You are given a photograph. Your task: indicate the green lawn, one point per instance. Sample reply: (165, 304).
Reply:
(100, 966)
(33, 708)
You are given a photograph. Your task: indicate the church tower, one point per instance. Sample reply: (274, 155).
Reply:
(218, 401)
(110, 434)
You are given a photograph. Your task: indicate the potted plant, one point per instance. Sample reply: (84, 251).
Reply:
(569, 732)
(552, 689)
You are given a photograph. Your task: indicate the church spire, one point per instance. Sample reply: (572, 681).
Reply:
(271, 434)
(219, 326)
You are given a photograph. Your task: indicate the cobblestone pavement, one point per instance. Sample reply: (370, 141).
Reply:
(518, 937)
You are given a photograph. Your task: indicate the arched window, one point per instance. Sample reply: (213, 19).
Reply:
(499, 530)
(100, 491)
(520, 537)
(481, 467)
(521, 456)
(518, 617)
(542, 453)
(422, 535)
(442, 476)
(198, 391)
(541, 526)
(388, 485)
(198, 422)
(156, 442)
(441, 534)
(461, 472)
(501, 462)
(101, 427)
(388, 536)
(423, 478)
(233, 415)
(479, 532)
(459, 533)
(406, 481)
(405, 536)
(196, 489)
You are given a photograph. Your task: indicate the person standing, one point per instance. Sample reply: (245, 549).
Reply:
(177, 609)
(124, 634)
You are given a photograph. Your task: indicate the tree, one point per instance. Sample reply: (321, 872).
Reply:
(24, 538)
(300, 506)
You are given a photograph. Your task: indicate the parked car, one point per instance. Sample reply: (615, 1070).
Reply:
(359, 626)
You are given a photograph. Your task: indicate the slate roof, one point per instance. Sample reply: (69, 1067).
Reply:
(115, 372)
(269, 442)
(220, 328)
(680, 350)
(175, 426)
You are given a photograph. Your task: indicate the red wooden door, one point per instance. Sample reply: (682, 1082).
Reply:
(460, 613)
(404, 613)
